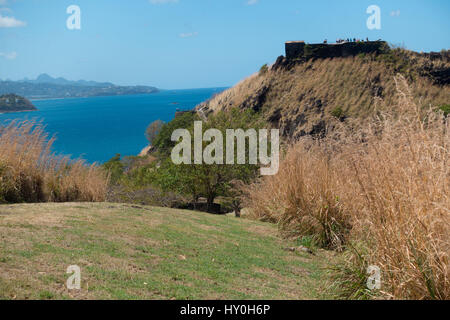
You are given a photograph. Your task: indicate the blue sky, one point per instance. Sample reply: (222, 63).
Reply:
(194, 43)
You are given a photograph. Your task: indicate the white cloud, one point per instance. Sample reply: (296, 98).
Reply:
(5, 10)
(10, 22)
(9, 55)
(188, 35)
(3, 2)
(162, 1)
(252, 2)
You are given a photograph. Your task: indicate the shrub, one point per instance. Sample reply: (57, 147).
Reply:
(146, 195)
(446, 109)
(163, 141)
(115, 168)
(361, 55)
(264, 69)
(153, 130)
(338, 113)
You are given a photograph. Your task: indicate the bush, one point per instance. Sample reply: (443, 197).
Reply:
(115, 168)
(163, 141)
(264, 69)
(153, 130)
(338, 113)
(446, 109)
(148, 195)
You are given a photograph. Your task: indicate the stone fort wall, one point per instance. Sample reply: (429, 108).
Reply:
(299, 49)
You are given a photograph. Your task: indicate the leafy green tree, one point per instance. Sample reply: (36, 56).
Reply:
(115, 167)
(153, 130)
(163, 141)
(211, 180)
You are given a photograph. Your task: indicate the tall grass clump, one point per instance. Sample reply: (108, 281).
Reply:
(30, 172)
(302, 197)
(381, 191)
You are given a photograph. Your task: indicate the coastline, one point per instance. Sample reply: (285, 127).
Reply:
(85, 97)
(174, 91)
(40, 99)
(18, 111)
(124, 120)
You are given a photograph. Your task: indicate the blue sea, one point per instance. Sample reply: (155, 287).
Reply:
(98, 128)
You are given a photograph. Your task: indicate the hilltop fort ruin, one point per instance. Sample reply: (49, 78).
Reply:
(299, 49)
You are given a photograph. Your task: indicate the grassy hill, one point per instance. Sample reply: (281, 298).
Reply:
(305, 97)
(376, 182)
(130, 252)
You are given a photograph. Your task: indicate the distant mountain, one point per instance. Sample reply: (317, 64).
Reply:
(45, 86)
(15, 103)
(45, 78)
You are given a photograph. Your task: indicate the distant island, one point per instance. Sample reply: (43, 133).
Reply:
(15, 103)
(45, 86)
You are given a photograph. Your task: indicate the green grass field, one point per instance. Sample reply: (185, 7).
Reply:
(127, 252)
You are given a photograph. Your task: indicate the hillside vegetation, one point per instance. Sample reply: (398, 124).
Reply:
(365, 168)
(307, 98)
(381, 193)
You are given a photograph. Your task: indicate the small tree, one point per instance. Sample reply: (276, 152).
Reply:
(264, 69)
(211, 181)
(163, 141)
(153, 130)
(115, 168)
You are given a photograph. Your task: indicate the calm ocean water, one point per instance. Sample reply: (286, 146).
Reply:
(97, 128)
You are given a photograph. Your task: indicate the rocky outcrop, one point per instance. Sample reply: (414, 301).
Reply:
(440, 75)
(256, 100)
(433, 65)
(301, 50)
(146, 151)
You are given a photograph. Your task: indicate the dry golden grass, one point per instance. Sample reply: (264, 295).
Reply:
(301, 198)
(383, 188)
(29, 172)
